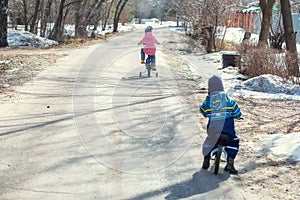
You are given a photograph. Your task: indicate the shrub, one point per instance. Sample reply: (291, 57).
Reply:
(256, 61)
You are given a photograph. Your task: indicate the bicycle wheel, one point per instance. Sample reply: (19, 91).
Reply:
(149, 71)
(218, 160)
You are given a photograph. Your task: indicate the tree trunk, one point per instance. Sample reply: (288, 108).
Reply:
(82, 17)
(78, 19)
(3, 23)
(266, 8)
(45, 17)
(119, 9)
(25, 14)
(95, 14)
(290, 35)
(107, 15)
(57, 31)
(208, 36)
(33, 24)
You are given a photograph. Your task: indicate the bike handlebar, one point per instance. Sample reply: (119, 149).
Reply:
(144, 44)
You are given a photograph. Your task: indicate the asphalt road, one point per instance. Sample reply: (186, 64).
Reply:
(91, 128)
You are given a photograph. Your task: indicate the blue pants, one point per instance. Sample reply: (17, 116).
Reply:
(211, 142)
(143, 56)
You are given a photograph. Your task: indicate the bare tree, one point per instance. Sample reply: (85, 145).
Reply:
(204, 18)
(3, 23)
(95, 15)
(106, 12)
(25, 12)
(57, 31)
(266, 8)
(290, 35)
(119, 8)
(45, 16)
(82, 13)
(191, 12)
(28, 10)
(87, 13)
(215, 14)
(79, 7)
(33, 25)
(24, 4)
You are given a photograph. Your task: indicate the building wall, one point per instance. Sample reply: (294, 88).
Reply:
(251, 21)
(296, 24)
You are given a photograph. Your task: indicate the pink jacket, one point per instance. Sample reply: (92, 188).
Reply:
(149, 41)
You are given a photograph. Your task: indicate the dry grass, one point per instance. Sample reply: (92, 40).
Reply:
(257, 61)
(19, 65)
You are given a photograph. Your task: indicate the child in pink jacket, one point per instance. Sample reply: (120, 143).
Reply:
(149, 42)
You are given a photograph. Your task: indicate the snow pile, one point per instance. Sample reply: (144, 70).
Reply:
(26, 39)
(265, 86)
(233, 34)
(21, 38)
(272, 84)
(232, 75)
(285, 146)
(237, 34)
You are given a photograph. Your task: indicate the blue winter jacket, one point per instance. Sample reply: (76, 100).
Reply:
(221, 111)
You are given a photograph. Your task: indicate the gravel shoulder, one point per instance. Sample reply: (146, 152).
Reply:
(276, 176)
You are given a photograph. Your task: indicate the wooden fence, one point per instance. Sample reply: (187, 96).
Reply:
(243, 20)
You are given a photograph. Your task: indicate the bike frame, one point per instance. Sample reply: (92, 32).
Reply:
(149, 63)
(214, 151)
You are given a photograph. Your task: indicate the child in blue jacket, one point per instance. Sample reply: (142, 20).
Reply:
(221, 112)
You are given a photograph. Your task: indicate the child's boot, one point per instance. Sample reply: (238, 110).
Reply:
(142, 61)
(206, 162)
(230, 166)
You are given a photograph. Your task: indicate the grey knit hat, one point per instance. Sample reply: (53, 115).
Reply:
(215, 84)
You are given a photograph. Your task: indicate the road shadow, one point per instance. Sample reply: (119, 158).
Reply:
(137, 77)
(202, 182)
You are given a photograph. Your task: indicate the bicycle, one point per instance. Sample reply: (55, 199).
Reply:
(219, 154)
(149, 64)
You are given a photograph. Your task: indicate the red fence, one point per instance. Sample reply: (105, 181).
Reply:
(243, 20)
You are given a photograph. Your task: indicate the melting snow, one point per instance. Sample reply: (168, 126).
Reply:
(18, 38)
